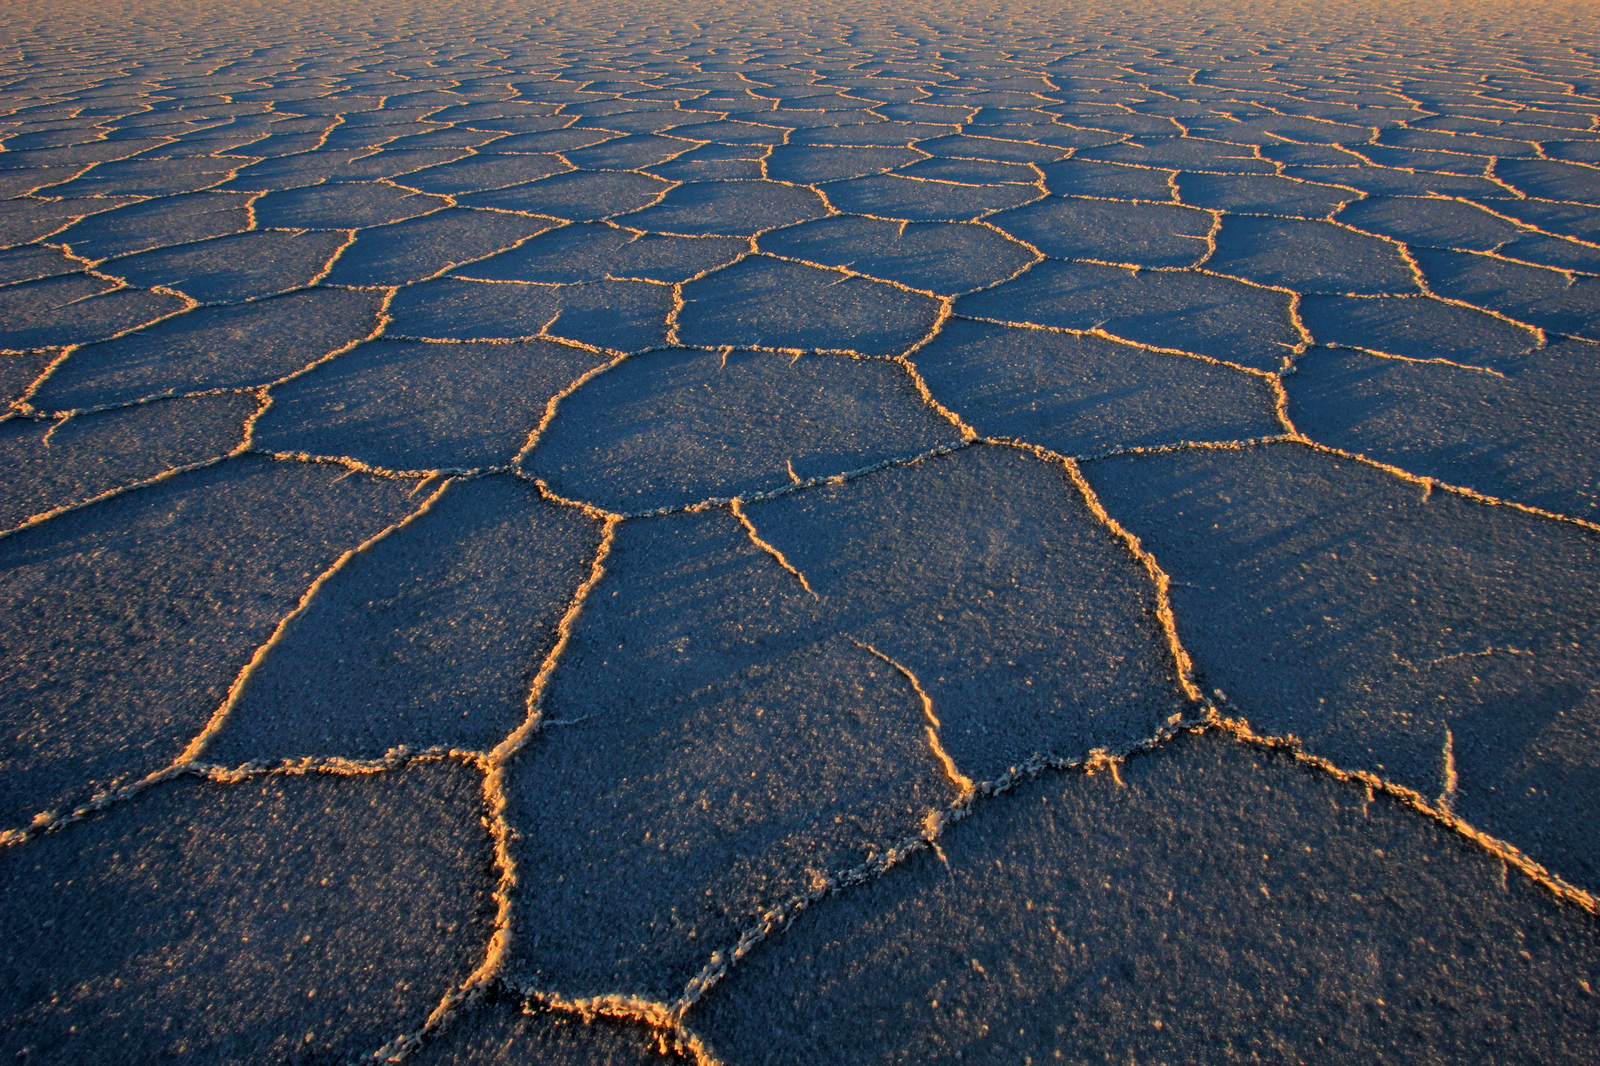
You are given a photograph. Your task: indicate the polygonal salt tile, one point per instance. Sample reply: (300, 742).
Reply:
(445, 137)
(1180, 153)
(1191, 312)
(129, 619)
(1433, 221)
(1280, 914)
(709, 750)
(776, 304)
(1080, 395)
(1551, 180)
(31, 180)
(588, 251)
(891, 196)
(549, 141)
(913, 110)
(629, 153)
(872, 134)
(1527, 433)
(508, 116)
(280, 146)
(1450, 141)
(75, 309)
(1417, 328)
(637, 120)
(1150, 235)
(275, 919)
(620, 315)
(308, 166)
(31, 262)
(796, 118)
(80, 154)
(1545, 298)
(1569, 220)
(943, 257)
(1381, 624)
(477, 173)
(151, 177)
(1382, 181)
(1261, 194)
(578, 196)
(729, 208)
(972, 171)
(213, 348)
(157, 223)
(422, 247)
(1579, 151)
(728, 131)
(337, 165)
(962, 146)
(392, 163)
(1310, 257)
(1027, 623)
(429, 638)
(671, 428)
(25, 220)
(805, 164)
(241, 266)
(343, 205)
(18, 372)
(407, 405)
(1558, 252)
(708, 169)
(1109, 180)
(53, 465)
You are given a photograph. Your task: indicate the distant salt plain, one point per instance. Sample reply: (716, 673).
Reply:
(799, 534)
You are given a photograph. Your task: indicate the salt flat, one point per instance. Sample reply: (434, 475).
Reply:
(805, 533)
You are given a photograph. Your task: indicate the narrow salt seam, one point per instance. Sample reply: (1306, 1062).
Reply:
(1183, 665)
(1109, 760)
(1439, 812)
(554, 404)
(770, 548)
(1447, 773)
(1393, 357)
(961, 781)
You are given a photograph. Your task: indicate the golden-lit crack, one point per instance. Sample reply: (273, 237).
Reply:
(963, 783)
(1266, 93)
(768, 547)
(496, 801)
(197, 747)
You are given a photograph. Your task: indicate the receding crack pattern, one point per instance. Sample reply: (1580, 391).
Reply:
(751, 446)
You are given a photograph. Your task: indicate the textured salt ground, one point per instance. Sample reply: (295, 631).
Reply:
(128, 620)
(1369, 619)
(502, 1032)
(455, 607)
(141, 931)
(1210, 903)
(670, 428)
(337, 342)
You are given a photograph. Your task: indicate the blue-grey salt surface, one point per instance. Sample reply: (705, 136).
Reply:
(799, 533)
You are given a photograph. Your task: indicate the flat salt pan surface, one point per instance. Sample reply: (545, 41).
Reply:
(815, 534)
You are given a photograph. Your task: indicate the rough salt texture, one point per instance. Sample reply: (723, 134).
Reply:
(817, 533)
